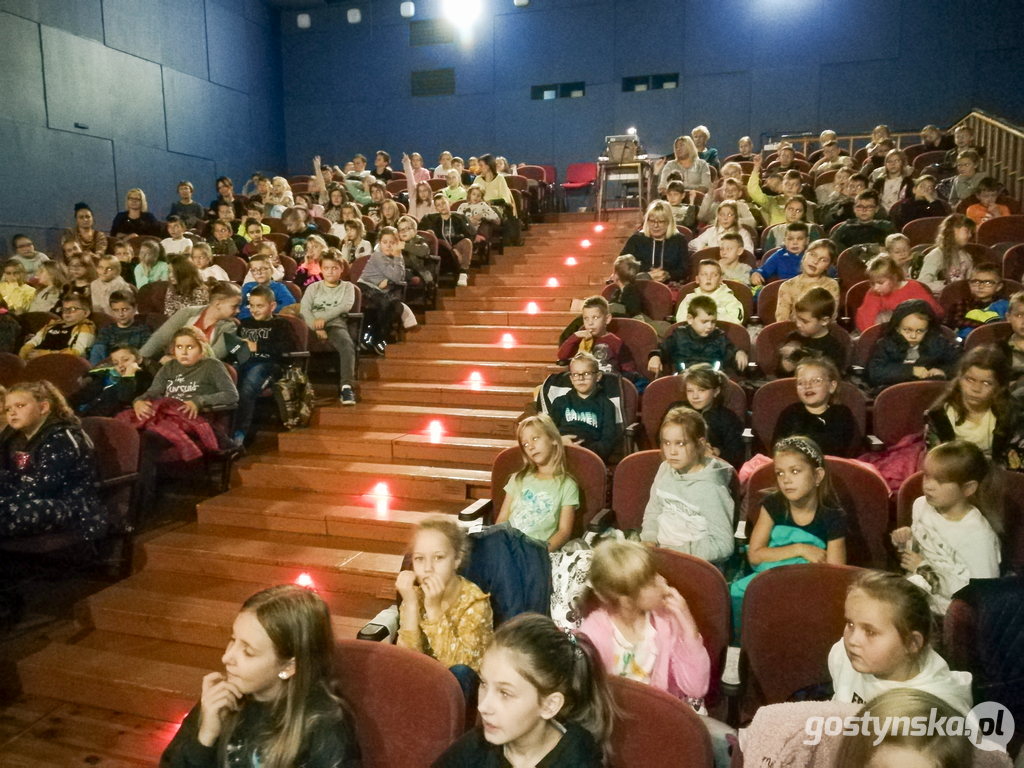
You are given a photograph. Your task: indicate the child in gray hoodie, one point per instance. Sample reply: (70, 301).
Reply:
(690, 508)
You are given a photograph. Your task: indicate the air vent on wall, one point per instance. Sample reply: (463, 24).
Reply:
(431, 32)
(650, 83)
(433, 82)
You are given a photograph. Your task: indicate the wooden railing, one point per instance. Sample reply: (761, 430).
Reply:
(1004, 149)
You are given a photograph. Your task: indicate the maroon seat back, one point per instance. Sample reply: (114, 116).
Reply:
(865, 343)
(1005, 229)
(922, 230)
(584, 465)
(785, 645)
(235, 266)
(300, 332)
(655, 729)
(656, 299)
(768, 347)
(117, 457)
(771, 398)
(1013, 262)
(863, 496)
(355, 269)
(631, 487)
(990, 333)
(852, 264)
(11, 367)
(63, 371)
(638, 337)
(279, 239)
(290, 266)
(767, 300)
(431, 239)
(924, 159)
(662, 392)
(579, 175)
(901, 408)
(397, 186)
(370, 675)
(33, 322)
(150, 297)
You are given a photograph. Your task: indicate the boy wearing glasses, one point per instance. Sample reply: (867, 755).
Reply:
(986, 304)
(262, 274)
(594, 337)
(73, 334)
(584, 415)
(864, 227)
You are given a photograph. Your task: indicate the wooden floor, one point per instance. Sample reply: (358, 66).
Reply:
(111, 690)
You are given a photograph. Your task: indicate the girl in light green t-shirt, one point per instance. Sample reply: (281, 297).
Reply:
(541, 498)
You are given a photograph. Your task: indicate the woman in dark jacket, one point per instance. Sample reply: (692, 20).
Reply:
(895, 359)
(47, 467)
(136, 218)
(659, 247)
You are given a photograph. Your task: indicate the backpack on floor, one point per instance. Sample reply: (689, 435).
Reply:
(294, 397)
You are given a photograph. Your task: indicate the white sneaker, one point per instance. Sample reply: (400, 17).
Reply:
(463, 280)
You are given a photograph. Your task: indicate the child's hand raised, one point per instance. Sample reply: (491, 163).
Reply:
(757, 160)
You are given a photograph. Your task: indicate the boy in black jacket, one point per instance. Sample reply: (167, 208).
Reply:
(268, 338)
(109, 389)
(584, 416)
(701, 341)
(912, 348)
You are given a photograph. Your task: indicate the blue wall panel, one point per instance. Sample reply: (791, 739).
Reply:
(22, 96)
(79, 17)
(173, 35)
(205, 119)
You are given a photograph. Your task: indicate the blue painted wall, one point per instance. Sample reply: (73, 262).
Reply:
(746, 67)
(189, 89)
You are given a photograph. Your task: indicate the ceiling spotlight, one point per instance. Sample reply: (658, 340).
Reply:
(303, 21)
(354, 15)
(462, 11)
(407, 9)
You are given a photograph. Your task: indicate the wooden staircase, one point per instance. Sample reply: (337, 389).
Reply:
(319, 505)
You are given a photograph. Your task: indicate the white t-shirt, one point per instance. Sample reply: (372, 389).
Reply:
(173, 247)
(213, 272)
(935, 678)
(635, 661)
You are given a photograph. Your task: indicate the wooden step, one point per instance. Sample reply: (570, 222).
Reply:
(313, 472)
(544, 303)
(458, 372)
(384, 521)
(272, 557)
(499, 318)
(576, 276)
(600, 268)
(486, 334)
(539, 290)
(520, 353)
(93, 677)
(417, 418)
(417, 392)
(450, 450)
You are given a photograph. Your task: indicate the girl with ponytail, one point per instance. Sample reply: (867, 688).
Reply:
(543, 698)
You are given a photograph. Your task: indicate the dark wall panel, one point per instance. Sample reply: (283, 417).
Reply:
(170, 34)
(21, 91)
(79, 17)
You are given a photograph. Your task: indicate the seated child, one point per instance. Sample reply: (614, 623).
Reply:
(583, 415)
(16, 293)
(73, 334)
(814, 314)
(987, 208)
(47, 467)
(176, 243)
(685, 213)
(730, 249)
(698, 341)
(109, 389)
(800, 522)
(726, 222)
(108, 282)
(267, 250)
(324, 307)
(152, 266)
(626, 299)
(382, 282)
(795, 210)
(202, 257)
(182, 388)
(1013, 345)
(864, 227)
(10, 331)
(541, 498)
(889, 289)
(784, 264)
(420, 263)
(814, 265)
(710, 284)
(953, 536)
(987, 303)
(690, 508)
(912, 347)
(967, 178)
(887, 645)
(594, 337)
(923, 203)
(829, 424)
(948, 261)
(702, 389)
(268, 339)
(442, 614)
(262, 273)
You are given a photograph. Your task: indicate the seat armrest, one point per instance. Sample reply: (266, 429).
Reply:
(605, 518)
(479, 508)
(748, 435)
(875, 443)
(297, 355)
(381, 628)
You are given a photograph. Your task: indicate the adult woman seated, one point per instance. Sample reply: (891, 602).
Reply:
(659, 247)
(136, 218)
(687, 165)
(84, 231)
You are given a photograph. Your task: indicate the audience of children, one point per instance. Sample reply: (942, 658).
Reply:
(541, 498)
(795, 210)
(690, 508)
(699, 340)
(890, 288)
(710, 283)
(262, 273)
(584, 415)
(865, 227)
(214, 321)
(953, 536)
(817, 415)
(109, 389)
(814, 266)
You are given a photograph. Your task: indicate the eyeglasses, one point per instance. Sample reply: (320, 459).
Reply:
(582, 376)
(987, 283)
(817, 381)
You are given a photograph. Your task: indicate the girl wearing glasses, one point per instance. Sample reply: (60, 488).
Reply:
(829, 424)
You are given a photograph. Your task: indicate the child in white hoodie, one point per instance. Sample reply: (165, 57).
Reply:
(690, 508)
(710, 283)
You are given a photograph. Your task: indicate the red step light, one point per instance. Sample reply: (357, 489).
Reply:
(435, 431)
(304, 580)
(552, 282)
(532, 308)
(599, 228)
(508, 340)
(571, 261)
(476, 381)
(584, 243)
